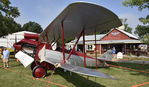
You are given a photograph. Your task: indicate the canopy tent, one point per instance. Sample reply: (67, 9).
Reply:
(10, 39)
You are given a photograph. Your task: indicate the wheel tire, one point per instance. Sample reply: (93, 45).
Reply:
(39, 71)
(33, 65)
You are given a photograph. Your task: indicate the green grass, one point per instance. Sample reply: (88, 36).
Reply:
(23, 77)
(136, 58)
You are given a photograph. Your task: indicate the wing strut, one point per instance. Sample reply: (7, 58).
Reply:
(75, 45)
(95, 49)
(84, 48)
(82, 33)
(62, 34)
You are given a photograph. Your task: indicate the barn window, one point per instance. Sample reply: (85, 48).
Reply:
(115, 33)
(89, 47)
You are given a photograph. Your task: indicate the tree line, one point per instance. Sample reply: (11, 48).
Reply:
(141, 30)
(8, 24)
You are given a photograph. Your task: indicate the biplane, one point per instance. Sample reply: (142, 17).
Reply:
(76, 20)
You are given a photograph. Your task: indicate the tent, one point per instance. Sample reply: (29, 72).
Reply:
(10, 39)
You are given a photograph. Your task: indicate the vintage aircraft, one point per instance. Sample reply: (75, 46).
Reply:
(77, 19)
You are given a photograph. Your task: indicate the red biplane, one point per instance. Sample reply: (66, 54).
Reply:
(77, 19)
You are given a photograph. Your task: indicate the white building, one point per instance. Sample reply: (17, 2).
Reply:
(10, 39)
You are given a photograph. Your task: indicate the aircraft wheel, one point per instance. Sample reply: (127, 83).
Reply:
(33, 64)
(39, 71)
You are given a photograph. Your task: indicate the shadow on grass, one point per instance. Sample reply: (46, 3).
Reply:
(16, 65)
(140, 67)
(48, 74)
(77, 80)
(13, 63)
(12, 59)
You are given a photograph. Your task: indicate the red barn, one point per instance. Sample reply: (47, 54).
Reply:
(121, 40)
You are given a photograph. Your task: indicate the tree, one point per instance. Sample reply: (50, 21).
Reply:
(7, 15)
(127, 28)
(141, 30)
(32, 27)
(8, 25)
(7, 10)
(141, 4)
(144, 20)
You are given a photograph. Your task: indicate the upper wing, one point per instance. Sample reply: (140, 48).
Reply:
(78, 16)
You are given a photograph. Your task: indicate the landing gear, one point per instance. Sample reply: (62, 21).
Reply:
(34, 64)
(39, 71)
(48, 65)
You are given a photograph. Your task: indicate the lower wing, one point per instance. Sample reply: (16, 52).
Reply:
(80, 70)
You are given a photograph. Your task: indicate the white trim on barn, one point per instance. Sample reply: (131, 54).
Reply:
(111, 41)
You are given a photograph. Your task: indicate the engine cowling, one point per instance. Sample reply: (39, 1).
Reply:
(31, 36)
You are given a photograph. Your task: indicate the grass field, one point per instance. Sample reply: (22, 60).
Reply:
(136, 58)
(18, 76)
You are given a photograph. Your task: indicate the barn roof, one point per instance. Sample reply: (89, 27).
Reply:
(128, 34)
(111, 41)
(90, 39)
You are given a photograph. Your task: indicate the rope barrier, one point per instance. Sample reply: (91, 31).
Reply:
(34, 78)
(49, 82)
(127, 68)
(51, 77)
(132, 70)
(56, 66)
(140, 84)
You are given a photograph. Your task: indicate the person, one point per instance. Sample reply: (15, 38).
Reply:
(5, 57)
(114, 51)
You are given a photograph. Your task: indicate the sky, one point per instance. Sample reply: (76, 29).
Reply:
(45, 11)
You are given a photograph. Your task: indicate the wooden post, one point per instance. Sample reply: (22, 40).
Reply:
(125, 48)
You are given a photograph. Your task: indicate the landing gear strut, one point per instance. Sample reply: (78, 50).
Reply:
(34, 64)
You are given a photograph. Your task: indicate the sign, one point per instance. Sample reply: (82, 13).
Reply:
(119, 55)
(24, 58)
